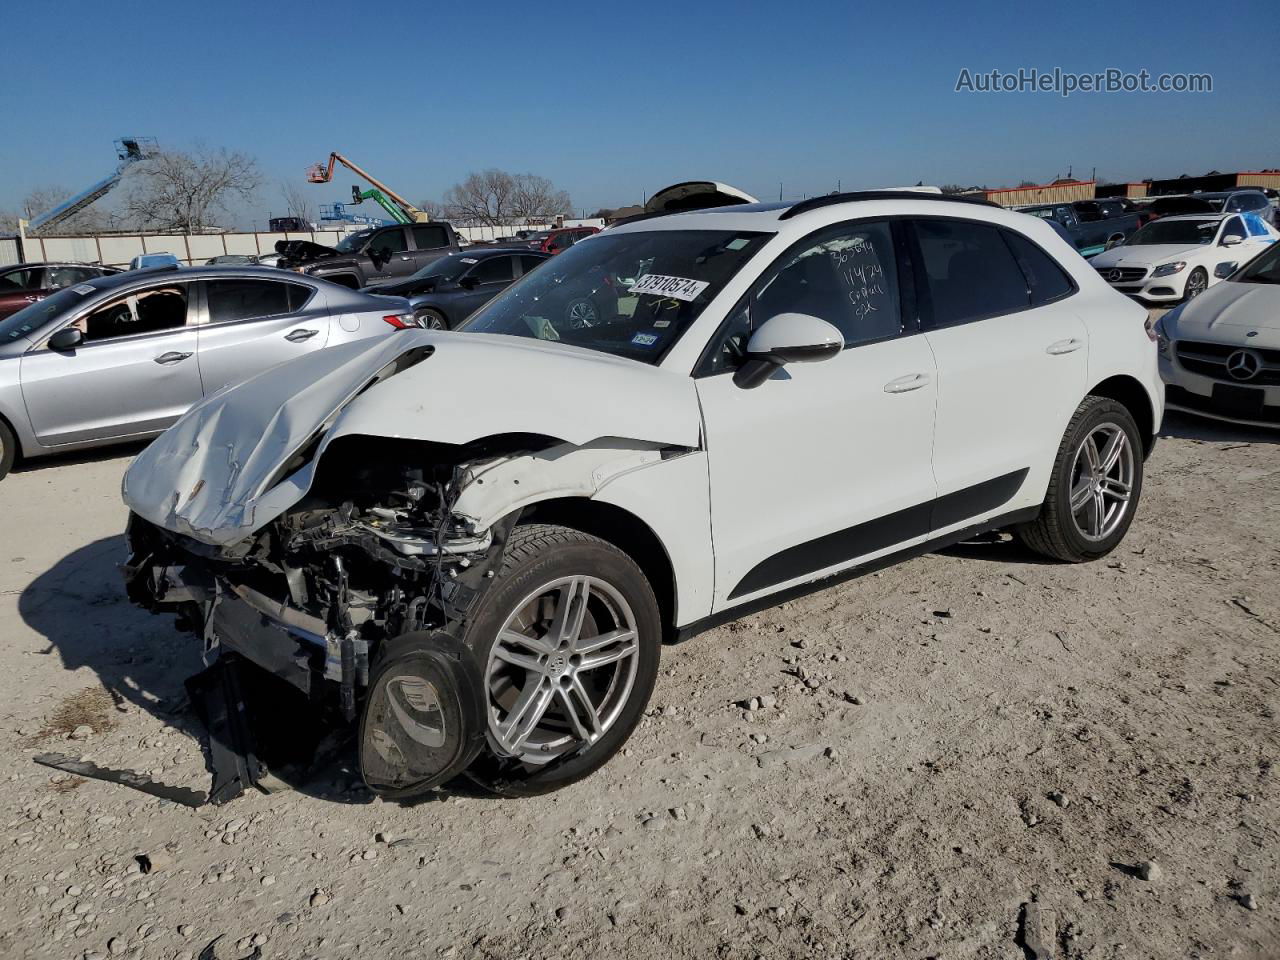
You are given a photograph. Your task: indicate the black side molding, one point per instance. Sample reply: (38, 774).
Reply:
(873, 535)
(861, 570)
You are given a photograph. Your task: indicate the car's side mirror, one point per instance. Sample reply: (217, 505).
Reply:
(1231, 239)
(786, 338)
(1224, 270)
(68, 338)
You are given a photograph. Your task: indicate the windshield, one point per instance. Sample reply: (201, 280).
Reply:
(446, 268)
(1184, 232)
(30, 319)
(628, 294)
(1264, 268)
(353, 242)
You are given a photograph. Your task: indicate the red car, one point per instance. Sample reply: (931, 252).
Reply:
(26, 283)
(553, 241)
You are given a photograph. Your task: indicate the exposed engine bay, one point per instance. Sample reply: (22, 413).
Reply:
(376, 550)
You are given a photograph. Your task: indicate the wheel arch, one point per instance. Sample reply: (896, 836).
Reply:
(1129, 392)
(19, 452)
(623, 529)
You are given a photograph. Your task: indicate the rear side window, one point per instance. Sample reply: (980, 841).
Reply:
(430, 236)
(247, 299)
(969, 272)
(529, 263)
(1045, 279)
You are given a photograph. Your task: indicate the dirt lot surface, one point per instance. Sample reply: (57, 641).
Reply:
(974, 755)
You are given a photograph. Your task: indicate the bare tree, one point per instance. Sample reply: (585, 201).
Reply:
(536, 198)
(434, 209)
(483, 199)
(297, 201)
(495, 198)
(184, 191)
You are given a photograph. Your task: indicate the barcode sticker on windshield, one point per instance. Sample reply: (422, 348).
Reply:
(676, 287)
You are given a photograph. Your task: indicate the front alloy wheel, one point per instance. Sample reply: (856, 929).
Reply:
(561, 669)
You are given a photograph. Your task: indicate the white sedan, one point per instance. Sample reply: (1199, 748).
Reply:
(1220, 354)
(1177, 258)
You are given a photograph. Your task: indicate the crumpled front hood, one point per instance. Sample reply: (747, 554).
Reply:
(212, 475)
(1144, 256)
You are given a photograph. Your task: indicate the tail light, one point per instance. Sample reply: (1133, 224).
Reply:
(403, 321)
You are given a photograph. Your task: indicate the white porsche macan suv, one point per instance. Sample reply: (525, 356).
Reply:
(473, 543)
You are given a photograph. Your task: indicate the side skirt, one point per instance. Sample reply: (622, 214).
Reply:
(860, 570)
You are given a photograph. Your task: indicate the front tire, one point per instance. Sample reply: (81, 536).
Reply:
(1094, 488)
(8, 449)
(1197, 283)
(569, 637)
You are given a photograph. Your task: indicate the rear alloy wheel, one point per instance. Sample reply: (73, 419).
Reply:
(1197, 281)
(433, 320)
(8, 449)
(569, 636)
(1095, 486)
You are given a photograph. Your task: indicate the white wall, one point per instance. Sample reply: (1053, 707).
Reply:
(118, 249)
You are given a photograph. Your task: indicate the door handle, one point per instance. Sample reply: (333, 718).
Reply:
(406, 258)
(912, 381)
(297, 336)
(30, 299)
(1064, 346)
(173, 356)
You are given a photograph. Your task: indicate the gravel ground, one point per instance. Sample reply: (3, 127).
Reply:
(973, 755)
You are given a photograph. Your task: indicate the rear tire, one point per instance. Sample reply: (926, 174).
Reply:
(517, 636)
(433, 319)
(8, 449)
(1094, 488)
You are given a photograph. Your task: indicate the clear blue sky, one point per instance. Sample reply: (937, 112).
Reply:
(612, 100)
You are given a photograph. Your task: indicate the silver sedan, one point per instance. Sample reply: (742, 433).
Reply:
(122, 357)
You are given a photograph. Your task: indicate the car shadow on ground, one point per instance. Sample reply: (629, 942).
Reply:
(1189, 427)
(93, 455)
(79, 606)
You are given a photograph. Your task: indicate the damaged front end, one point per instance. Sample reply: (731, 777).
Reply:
(375, 551)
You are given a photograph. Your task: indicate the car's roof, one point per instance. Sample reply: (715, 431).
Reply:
(1197, 216)
(55, 263)
(129, 277)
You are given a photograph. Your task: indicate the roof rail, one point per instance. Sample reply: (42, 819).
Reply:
(816, 203)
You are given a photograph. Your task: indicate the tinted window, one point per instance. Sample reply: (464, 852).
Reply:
(245, 299)
(529, 263)
(1045, 278)
(19, 280)
(845, 275)
(58, 277)
(969, 272)
(389, 242)
(1233, 228)
(493, 270)
(430, 236)
(144, 311)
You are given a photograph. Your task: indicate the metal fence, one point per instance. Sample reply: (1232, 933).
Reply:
(116, 250)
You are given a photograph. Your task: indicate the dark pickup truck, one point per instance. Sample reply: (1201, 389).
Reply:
(1093, 225)
(372, 257)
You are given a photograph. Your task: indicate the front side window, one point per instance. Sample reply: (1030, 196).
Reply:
(493, 270)
(143, 311)
(248, 299)
(631, 294)
(846, 275)
(387, 243)
(430, 236)
(1233, 228)
(1264, 268)
(528, 263)
(19, 280)
(969, 272)
(58, 277)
